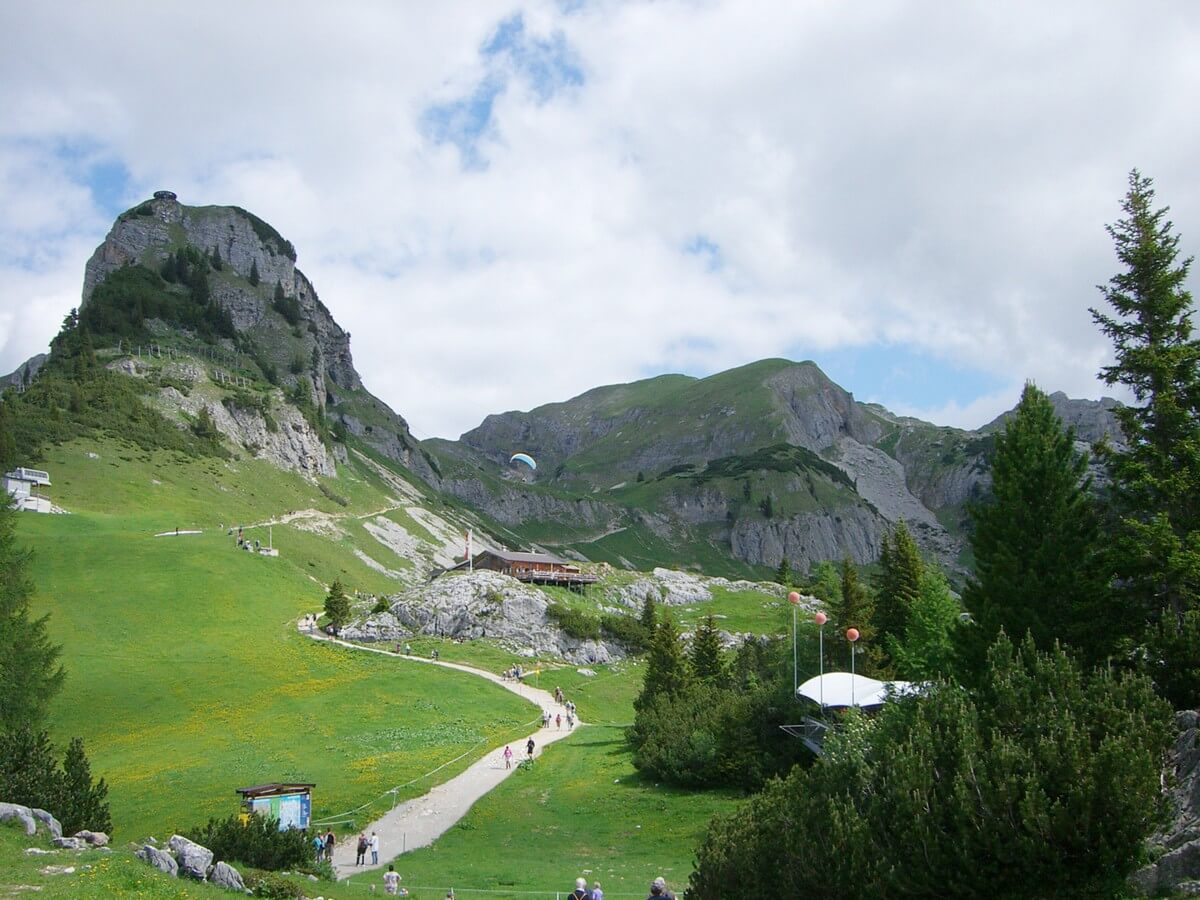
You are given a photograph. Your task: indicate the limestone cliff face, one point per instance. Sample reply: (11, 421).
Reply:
(245, 243)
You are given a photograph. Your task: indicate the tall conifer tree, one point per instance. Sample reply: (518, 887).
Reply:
(666, 666)
(1039, 561)
(899, 583)
(1156, 479)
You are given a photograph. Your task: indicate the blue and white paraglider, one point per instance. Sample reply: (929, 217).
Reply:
(525, 458)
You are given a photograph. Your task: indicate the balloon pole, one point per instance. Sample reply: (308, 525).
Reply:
(794, 600)
(820, 618)
(852, 636)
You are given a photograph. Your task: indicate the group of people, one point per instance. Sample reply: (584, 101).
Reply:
(364, 844)
(323, 846)
(513, 673)
(658, 890)
(557, 718)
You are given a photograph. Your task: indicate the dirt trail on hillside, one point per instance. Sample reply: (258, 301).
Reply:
(419, 822)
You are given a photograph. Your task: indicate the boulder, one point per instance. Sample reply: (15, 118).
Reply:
(13, 811)
(95, 838)
(69, 843)
(194, 860)
(49, 821)
(160, 859)
(226, 876)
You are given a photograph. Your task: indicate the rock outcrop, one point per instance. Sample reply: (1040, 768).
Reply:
(160, 859)
(226, 876)
(1176, 847)
(193, 859)
(476, 605)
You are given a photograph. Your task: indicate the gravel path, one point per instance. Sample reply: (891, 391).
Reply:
(419, 822)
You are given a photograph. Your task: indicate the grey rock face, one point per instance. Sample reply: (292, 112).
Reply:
(856, 532)
(160, 859)
(194, 860)
(818, 412)
(481, 605)
(226, 876)
(69, 843)
(1179, 841)
(15, 812)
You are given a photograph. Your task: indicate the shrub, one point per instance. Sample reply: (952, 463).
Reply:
(626, 629)
(256, 841)
(264, 884)
(575, 623)
(335, 497)
(1042, 782)
(381, 606)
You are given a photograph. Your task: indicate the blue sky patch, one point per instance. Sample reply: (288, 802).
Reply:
(700, 245)
(546, 65)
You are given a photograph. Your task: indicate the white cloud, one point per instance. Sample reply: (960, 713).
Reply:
(935, 176)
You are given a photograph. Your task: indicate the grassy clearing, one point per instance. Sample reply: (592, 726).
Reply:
(582, 808)
(97, 874)
(186, 678)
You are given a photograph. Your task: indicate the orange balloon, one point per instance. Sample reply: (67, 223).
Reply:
(793, 598)
(852, 634)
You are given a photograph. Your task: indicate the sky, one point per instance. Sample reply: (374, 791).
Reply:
(508, 203)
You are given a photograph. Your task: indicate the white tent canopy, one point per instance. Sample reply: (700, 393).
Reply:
(844, 689)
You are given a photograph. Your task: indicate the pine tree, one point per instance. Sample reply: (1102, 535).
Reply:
(30, 674)
(854, 609)
(1039, 560)
(899, 582)
(279, 295)
(29, 773)
(83, 804)
(666, 666)
(783, 575)
(254, 276)
(706, 657)
(649, 616)
(8, 446)
(337, 605)
(927, 649)
(1155, 480)
(215, 258)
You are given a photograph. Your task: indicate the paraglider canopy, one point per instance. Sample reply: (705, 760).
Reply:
(525, 458)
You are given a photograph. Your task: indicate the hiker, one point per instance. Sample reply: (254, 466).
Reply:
(558, 721)
(434, 655)
(374, 844)
(529, 748)
(329, 841)
(545, 718)
(408, 649)
(581, 891)
(318, 843)
(391, 881)
(597, 894)
(570, 721)
(361, 858)
(658, 890)
(508, 757)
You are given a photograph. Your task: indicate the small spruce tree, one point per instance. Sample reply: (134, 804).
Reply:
(708, 662)
(667, 667)
(783, 575)
(337, 605)
(254, 276)
(84, 803)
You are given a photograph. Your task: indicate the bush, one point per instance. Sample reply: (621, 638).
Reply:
(626, 629)
(381, 606)
(264, 884)
(1043, 782)
(255, 842)
(575, 623)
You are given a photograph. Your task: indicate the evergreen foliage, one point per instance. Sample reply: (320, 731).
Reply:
(84, 803)
(901, 571)
(29, 773)
(1039, 561)
(180, 296)
(705, 655)
(1156, 479)
(783, 575)
(337, 605)
(853, 608)
(255, 278)
(204, 427)
(257, 842)
(1042, 783)
(30, 673)
(929, 646)
(667, 668)
(649, 615)
(8, 447)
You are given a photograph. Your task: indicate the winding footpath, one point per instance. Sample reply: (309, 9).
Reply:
(419, 822)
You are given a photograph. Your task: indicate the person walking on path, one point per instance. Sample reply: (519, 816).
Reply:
(558, 720)
(362, 850)
(529, 749)
(581, 891)
(391, 881)
(373, 843)
(508, 757)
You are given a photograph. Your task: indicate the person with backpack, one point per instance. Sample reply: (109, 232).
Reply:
(361, 858)
(329, 841)
(581, 892)
(529, 748)
(658, 890)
